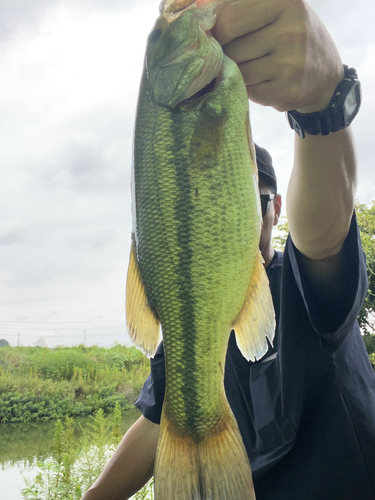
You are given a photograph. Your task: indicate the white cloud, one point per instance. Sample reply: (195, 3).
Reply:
(70, 73)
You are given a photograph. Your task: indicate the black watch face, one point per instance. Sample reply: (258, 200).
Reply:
(351, 103)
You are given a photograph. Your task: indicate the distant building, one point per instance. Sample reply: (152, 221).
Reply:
(3, 342)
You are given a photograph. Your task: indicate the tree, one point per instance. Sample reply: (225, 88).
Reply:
(281, 234)
(366, 224)
(40, 342)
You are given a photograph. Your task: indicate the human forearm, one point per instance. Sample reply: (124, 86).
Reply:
(289, 61)
(130, 467)
(321, 193)
(322, 186)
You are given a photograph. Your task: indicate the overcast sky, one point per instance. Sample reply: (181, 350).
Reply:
(69, 78)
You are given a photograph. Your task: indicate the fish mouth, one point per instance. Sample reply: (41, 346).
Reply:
(204, 78)
(190, 65)
(189, 50)
(206, 82)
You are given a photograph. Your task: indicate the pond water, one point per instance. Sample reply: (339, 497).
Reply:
(23, 445)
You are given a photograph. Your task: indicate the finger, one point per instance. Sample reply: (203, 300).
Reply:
(244, 16)
(251, 46)
(266, 94)
(258, 71)
(270, 83)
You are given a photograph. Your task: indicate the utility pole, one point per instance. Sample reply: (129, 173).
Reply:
(18, 340)
(84, 338)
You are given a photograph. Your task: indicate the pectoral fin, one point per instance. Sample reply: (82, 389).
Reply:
(256, 320)
(142, 324)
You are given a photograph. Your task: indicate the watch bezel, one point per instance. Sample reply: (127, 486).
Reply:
(348, 118)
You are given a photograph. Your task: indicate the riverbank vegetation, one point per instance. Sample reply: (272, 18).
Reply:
(74, 466)
(38, 383)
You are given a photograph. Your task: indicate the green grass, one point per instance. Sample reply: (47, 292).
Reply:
(73, 467)
(38, 383)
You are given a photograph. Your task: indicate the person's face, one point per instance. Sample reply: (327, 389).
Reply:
(271, 217)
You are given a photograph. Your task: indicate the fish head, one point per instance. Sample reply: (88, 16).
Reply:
(182, 57)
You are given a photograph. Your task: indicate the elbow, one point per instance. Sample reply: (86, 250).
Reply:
(322, 238)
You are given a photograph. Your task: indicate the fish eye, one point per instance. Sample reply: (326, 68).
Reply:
(155, 35)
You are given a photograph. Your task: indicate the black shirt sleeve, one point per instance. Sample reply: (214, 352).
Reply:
(333, 318)
(151, 398)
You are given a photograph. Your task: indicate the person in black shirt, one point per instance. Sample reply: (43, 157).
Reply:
(306, 410)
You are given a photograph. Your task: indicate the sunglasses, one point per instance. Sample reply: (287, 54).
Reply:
(264, 202)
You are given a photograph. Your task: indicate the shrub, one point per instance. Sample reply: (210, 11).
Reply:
(73, 468)
(38, 383)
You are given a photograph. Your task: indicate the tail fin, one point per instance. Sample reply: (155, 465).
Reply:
(215, 468)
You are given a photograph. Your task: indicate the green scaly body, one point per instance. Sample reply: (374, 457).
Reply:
(197, 233)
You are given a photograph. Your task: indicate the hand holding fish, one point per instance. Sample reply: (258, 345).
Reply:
(289, 61)
(286, 55)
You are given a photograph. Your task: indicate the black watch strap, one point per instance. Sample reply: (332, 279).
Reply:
(340, 112)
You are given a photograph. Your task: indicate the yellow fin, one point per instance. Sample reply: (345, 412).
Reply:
(256, 320)
(142, 324)
(215, 468)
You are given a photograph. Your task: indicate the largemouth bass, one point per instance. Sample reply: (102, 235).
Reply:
(195, 268)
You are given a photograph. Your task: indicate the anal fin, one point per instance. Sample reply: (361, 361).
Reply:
(256, 320)
(142, 324)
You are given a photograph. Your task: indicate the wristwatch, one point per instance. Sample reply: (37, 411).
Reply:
(339, 114)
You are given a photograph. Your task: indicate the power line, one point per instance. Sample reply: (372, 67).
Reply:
(65, 311)
(57, 336)
(62, 329)
(62, 322)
